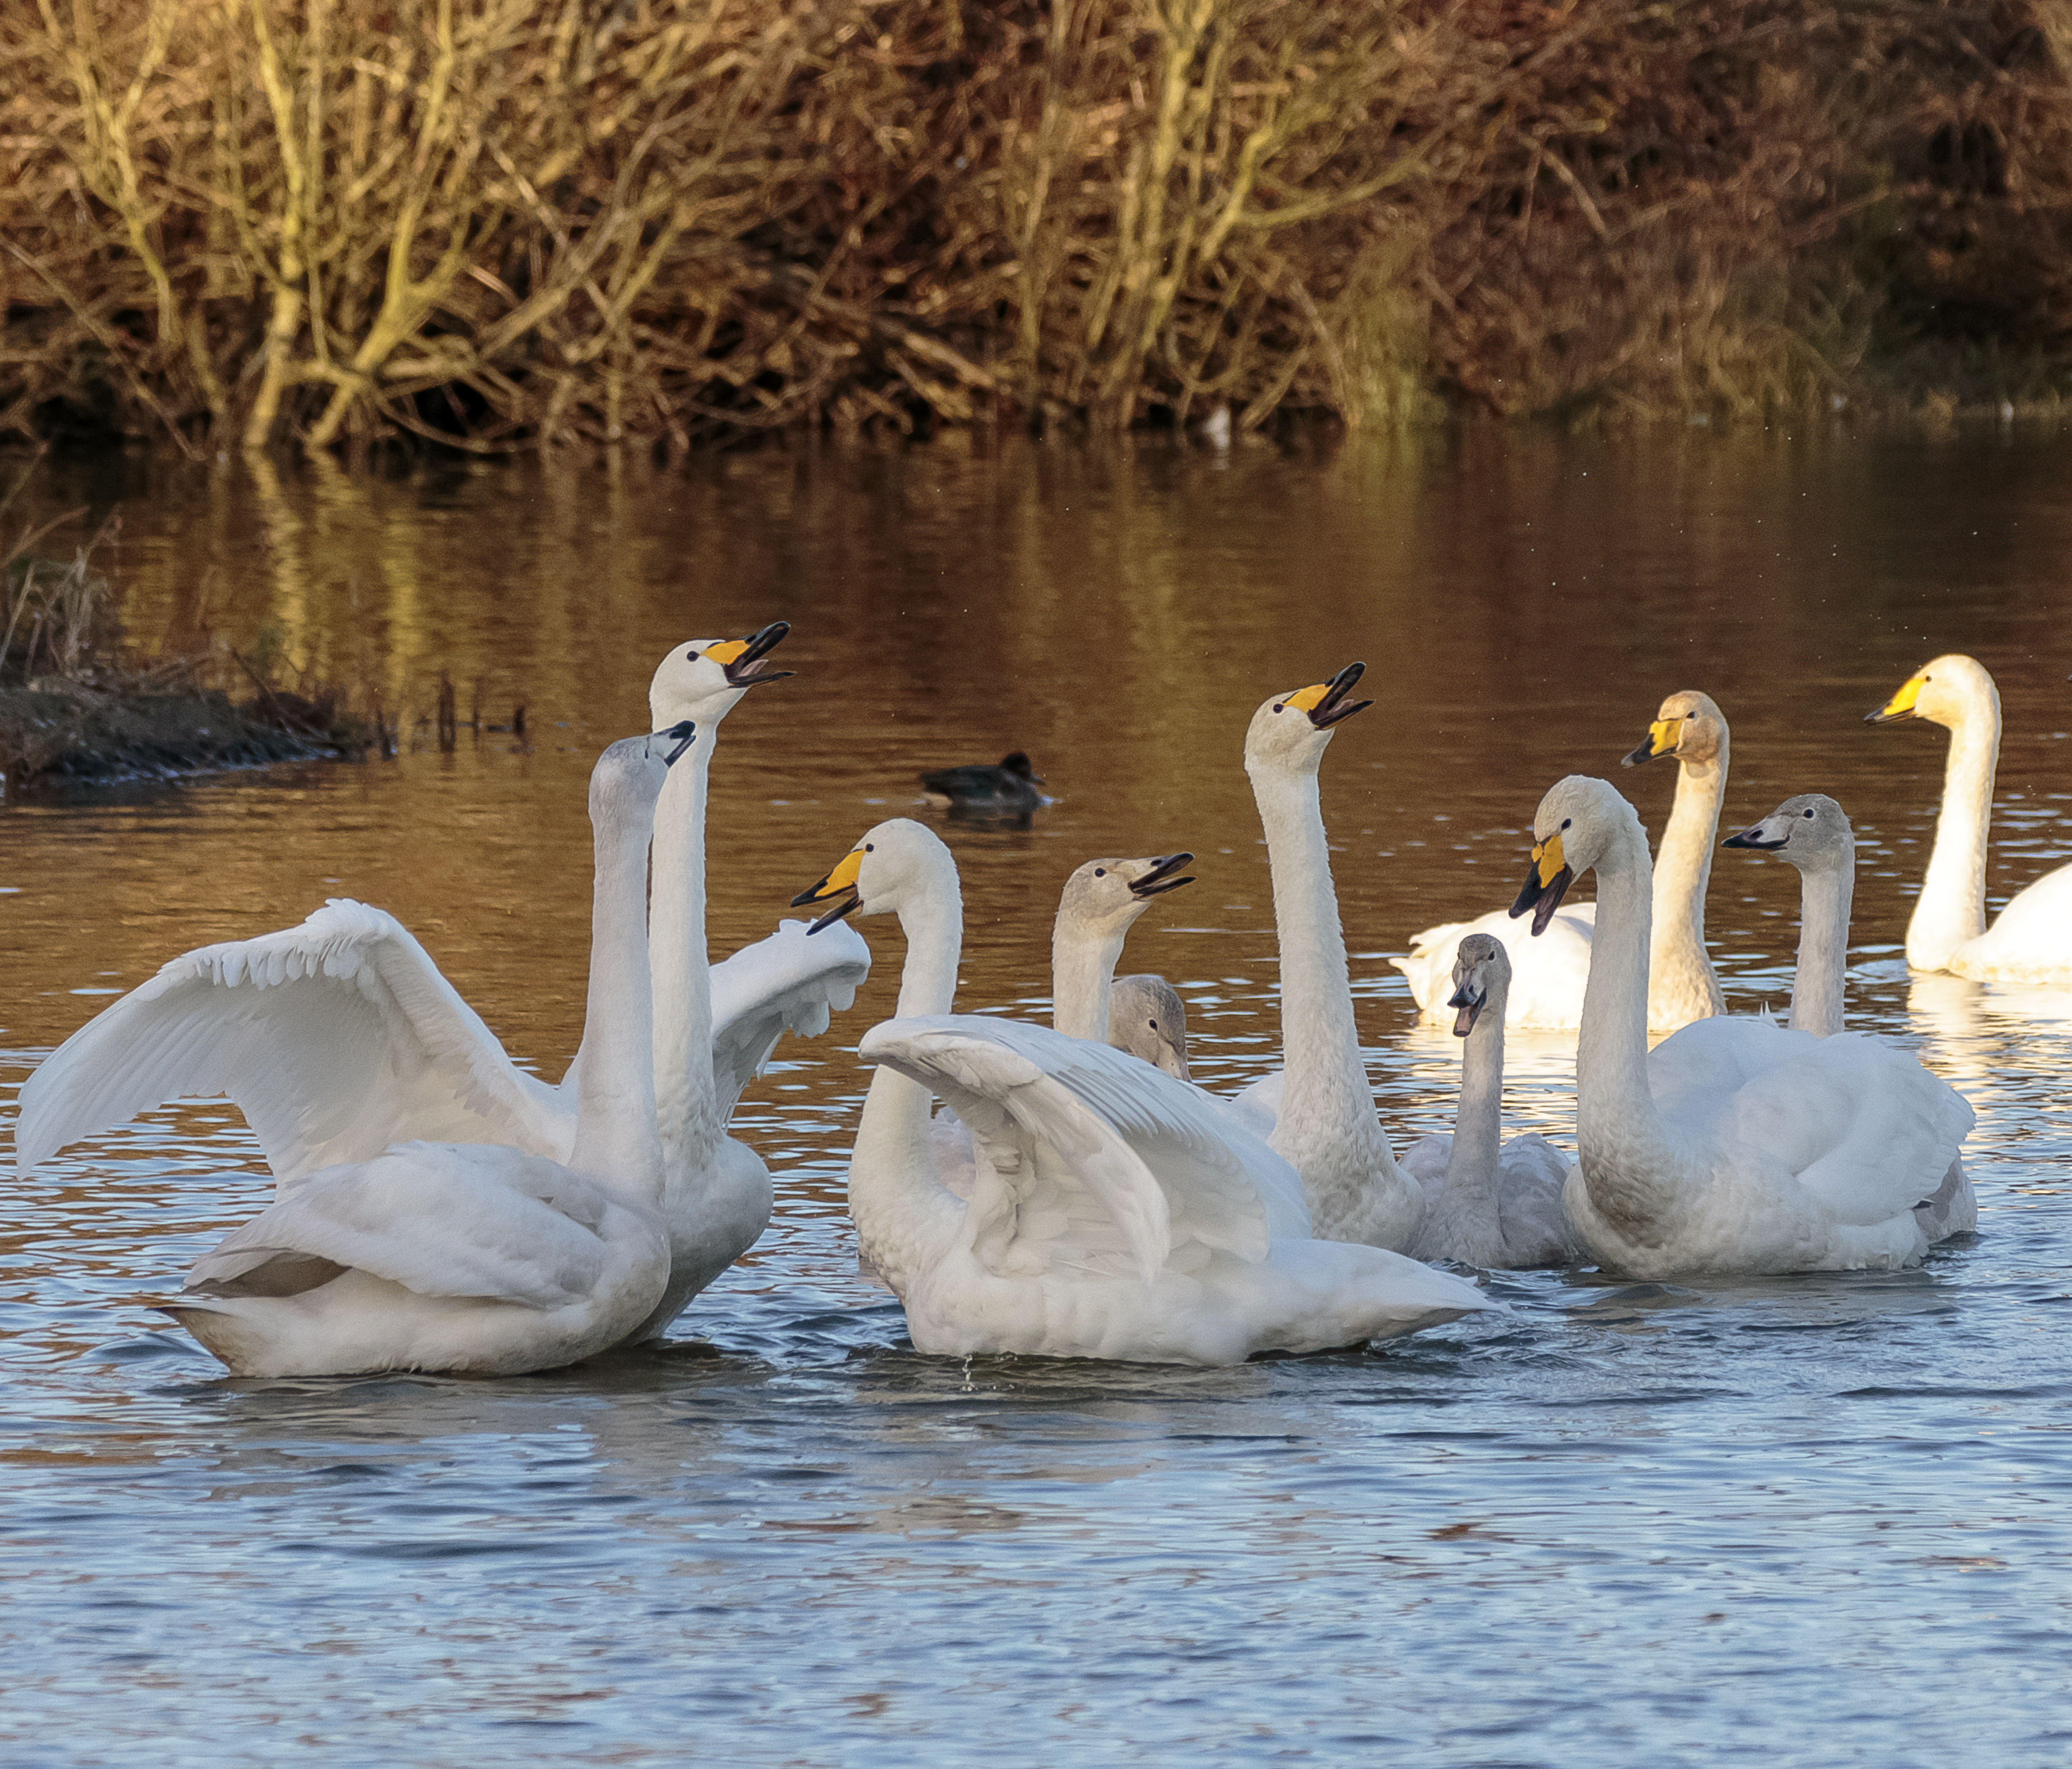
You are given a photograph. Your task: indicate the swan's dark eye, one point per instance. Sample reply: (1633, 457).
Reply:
(871, 847)
(1807, 812)
(1566, 821)
(1100, 872)
(1279, 705)
(1153, 1024)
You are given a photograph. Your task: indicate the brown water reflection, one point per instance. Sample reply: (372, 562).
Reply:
(1523, 604)
(1742, 1514)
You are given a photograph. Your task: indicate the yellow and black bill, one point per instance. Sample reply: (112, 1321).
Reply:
(1663, 737)
(1327, 703)
(839, 888)
(741, 659)
(1547, 880)
(1901, 706)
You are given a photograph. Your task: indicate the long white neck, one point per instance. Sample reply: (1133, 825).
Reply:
(1824, 949)
(616, 1138)
(1325, 1102)
(1083, 961)
(1478, 1119)
(686, 1097)
(895, 1199)
(1952, 906)
(1681, 985)
(1622, 1140)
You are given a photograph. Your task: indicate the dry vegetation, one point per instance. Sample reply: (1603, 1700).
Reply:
(511, 223)
(74, 704)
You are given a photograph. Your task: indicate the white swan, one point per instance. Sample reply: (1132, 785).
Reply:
(714, 1029)
(1487, 1205)
(1548, 975)
(1113, 1212)
(2031, 939)
(1740, 1146)
(1812, 832)
(1147, 1018)
(1317, 1112)
(475, 1256)
(338, 1037)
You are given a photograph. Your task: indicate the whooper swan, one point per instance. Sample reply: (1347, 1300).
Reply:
(1113, 1212)
(477, 1256)
(2031, 939)
(1548, 974)
(1740, 1147)
(1488, 1205)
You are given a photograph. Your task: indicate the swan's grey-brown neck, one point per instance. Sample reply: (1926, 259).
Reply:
(616, 1141)
(1957, 693)
(1681, 987)
(1101, 902)
(1326, 1127)
(904, 1216)
(1812, 832)
(1482, 989)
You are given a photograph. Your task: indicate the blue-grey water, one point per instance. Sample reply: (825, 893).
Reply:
(1814, 1519)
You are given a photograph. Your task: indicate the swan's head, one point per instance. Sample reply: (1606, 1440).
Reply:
(1482, 977)
(627, 779)
(1291, 730)
(894, 863)
(1690, 726)
(1944, 693)
(703, 678)
(1105, 896)
(1811, 831)
(1576, 824)
(1146, 1018)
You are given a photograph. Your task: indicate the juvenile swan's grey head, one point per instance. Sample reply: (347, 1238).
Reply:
(1147, 1018)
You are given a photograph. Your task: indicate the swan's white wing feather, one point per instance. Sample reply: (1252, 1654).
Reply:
(1547, 972)
(1089, 1159)
(787, 982)
(441, 1219)
(1258, 1107)
(1859, 1122)
(336, 1038)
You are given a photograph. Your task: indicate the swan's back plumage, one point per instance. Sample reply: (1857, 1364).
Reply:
(441, 1219)
(336, 1038)
(1088, 1158)
(1858, 1122)
(1548, 974)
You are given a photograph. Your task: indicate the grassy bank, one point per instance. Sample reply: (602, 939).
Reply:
(508, 223)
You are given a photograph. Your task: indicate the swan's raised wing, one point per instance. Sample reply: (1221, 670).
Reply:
(1090, 1161)
(336, 1038)
(785, 983)
(441, 1219)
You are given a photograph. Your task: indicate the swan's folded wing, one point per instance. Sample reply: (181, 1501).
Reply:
(786, 983)
(336, 1038)
(1864, 1126)
(439, 1219)
(1090, 1161)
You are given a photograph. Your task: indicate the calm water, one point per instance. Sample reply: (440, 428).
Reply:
(1819, 1520)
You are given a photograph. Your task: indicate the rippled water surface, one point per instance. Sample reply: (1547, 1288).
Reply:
(1815, 1519)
